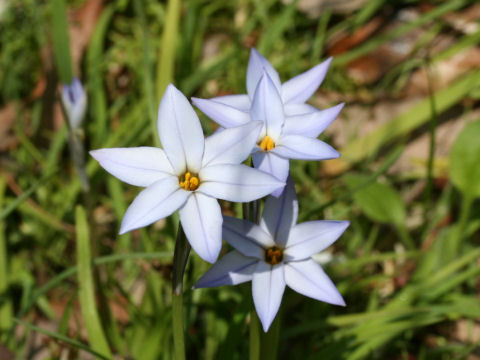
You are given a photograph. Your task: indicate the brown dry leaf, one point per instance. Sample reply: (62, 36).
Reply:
(7, 119)
(81, 26)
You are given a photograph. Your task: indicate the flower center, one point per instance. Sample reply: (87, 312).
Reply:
(273, 255)
(189, 182)
(267, 143)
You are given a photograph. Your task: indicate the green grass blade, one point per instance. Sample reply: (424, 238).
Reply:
(61, 43)
(86, 294)
(5, 304)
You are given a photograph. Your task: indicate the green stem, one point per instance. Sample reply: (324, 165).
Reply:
(405, 236)
(6, 314)
(254, 334)
(432, 128)
(180, 257)
(459, 231)
(270, 340)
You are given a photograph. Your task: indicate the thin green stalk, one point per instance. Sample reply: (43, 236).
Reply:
(270, 340)
(459, 231)
(405, 236)
(77, 151)
(180, 257)
(88, 306)
(149, 89)
(5, 305)
(432, 130)
(254, 334)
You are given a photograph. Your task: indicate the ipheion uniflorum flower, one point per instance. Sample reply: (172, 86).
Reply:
(189, 174)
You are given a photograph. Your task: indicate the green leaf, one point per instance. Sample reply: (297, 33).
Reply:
(465, 160)
(61, 43)
(378, 201)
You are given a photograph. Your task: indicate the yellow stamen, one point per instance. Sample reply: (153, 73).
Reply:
(273, 255)
(266, 144)
(189, 182)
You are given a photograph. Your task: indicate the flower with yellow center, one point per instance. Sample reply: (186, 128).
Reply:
(189, 174)
(276, 253)
(290, 127)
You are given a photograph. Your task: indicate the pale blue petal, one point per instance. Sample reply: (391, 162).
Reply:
(267, 106)
(280, 214)
(272, 164)
(300, 88)
(312, 124)
(246, 237)
(232, 269)
(308, 278)
(238, 183)
(224, 115)
(201, 219)
(298, 109)
(304, 148)
(311, 237)
(180, 132)
(157, 201)
(231, 146)
(257, 65)
(240, 102)
(139, 166)
(268, 285)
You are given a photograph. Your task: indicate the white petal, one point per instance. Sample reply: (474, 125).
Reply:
(232, 269)
(272, 164)
(238, 183)
(240, 102)
(268, 285)
(304, 148)
(231, 146)
(157, 201)
(300, 88)
(257, 65)
(201, 219)
(139, 166)
(311, 124)
(311, 237)
(224, 115)
(180, 132)
(280, 214)
(246, 237)
(267, 106)
(308, 278)
(298, 109)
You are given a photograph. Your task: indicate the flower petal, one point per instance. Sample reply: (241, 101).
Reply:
(231, 146)
(232, 269)
(154, 203)
(268, 285)
(201, 219)
(308, 278)
(257, 65)
(237, 183)
(224, 115)
(280, 214)
(298, 109)
(312, 124)
(304, 148)
(246, 237)
(272, 164)
(267, 106)
(139, 166)
(180, 132)
(240, 102)
(311, 237)
(300, 88)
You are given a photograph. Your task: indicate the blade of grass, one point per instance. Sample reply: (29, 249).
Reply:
(6, 304)
(61, 43)
(86, 291)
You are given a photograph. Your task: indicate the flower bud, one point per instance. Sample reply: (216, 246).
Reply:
(74, 101)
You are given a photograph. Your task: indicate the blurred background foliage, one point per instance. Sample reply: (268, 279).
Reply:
(408, 178)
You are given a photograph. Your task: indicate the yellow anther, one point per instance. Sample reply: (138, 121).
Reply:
(273, 255)
(189, 182)
(266, 144)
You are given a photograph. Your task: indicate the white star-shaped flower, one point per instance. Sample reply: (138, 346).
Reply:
(276, 253)
(189, 174)
(290, 127)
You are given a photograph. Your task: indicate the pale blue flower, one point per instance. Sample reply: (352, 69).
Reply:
(189, 174)
(276, 253)
(74, 100)
(291, 127)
